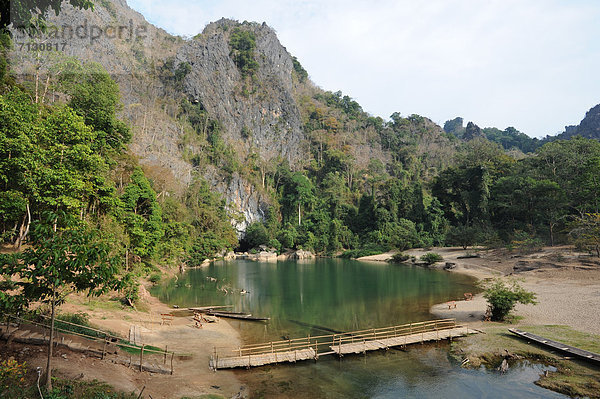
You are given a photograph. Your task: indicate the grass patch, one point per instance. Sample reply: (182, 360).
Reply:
(81, 318)
(25, 387)
(137, 349)
(113, 303)
(572, 377)
(68, 389)
(567, 335)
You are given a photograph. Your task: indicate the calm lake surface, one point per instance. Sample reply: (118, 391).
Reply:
(313, 297)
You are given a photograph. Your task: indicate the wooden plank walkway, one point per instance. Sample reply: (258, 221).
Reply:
(583, 354)
(312, 347)
(262, 359)
(372, 345)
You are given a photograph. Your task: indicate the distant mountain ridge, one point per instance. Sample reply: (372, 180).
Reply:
(588, 128)
(511, 138)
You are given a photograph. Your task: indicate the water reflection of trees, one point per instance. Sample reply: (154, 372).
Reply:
(339, 294)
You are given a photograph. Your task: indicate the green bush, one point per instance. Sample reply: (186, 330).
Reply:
(274, 243)
(359, 253)
(256, 235)
(205, 246)
(155, 278)
(504, 295)
(72, 389)
(242, 44)
(399, 258)
(431, 257)
(287, 237)
(525, 243)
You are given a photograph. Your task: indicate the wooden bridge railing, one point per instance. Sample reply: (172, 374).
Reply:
(325, 342)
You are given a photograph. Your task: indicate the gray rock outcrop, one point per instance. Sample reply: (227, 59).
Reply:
(269, 114)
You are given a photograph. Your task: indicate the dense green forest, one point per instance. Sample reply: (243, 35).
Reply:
(434, 187)
(71, 159)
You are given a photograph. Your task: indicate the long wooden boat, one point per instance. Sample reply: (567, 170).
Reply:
(239, 316)
(580, 353)
(210, 312)
(204, 309)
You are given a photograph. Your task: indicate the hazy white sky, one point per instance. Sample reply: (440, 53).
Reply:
(531, 64)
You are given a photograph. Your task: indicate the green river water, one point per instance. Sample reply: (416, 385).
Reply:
(344, 295)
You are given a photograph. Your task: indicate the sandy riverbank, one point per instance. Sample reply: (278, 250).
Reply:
(566, 282)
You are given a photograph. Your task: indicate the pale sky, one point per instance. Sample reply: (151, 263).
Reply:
(531, 64)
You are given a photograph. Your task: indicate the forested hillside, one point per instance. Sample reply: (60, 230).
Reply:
(194, 147)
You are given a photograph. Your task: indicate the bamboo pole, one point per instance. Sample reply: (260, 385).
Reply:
(104, 348)
(141, 357)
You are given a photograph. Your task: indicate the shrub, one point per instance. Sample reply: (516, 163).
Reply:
(256, 235)
(12, 378)
(242, 44)
(359, 253)
(503, 297)
(287, 236)
(431, 257)
(205, 246)
(274, 243)
(155, 278)
(399, 258)
(464, 236)
(525, 243)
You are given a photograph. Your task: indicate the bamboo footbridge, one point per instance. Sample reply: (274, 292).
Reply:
(355, 342)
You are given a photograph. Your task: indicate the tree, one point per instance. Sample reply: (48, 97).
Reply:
(256, 235)
(463, 235)
(47, 162)
(520, 202)
(95, 96)
(142, 214)
(298, 193)
(63, 258)
(455, 126)
(30, 16)
(503, 296)
(208, 213)
(242, 44)
(585, 232)
(206, 246)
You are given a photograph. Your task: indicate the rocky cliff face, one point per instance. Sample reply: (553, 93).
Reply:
(245, 202)
(472, 131)
(589, 126)
(269, 116)
(265, 121)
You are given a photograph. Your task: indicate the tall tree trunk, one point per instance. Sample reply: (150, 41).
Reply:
(551, 234)
(50, 345)
(24, 230)
(46, 88)
(299, 215)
